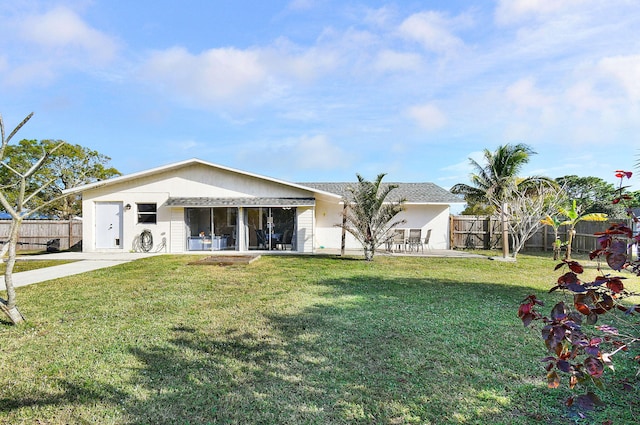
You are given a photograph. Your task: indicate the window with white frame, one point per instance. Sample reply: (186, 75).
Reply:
(147, 213)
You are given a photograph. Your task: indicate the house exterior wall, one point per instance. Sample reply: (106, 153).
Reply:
(417, 216)
(177, 242)
(425, 217)
(196, 180)
(305, 232)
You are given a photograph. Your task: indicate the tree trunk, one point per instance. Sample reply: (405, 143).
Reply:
(9, 306)
(369, 251)
(505, 231)
(12, 313)
(567, 255)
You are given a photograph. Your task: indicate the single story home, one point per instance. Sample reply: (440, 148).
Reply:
(196, 205)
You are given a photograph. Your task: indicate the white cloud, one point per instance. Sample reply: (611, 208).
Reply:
(428, 116)
(287, 60)
(214, 75)
(525, 95)
(511, 11)
(379, 17)
(301, 5)
(432, 31)
(39, 47)
(302, 153)
(318, 152)
(61, 28)
(231, 76)
(389, 60)
(625, 71)
(582, 97)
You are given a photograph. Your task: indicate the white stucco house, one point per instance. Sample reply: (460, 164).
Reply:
(195, 205)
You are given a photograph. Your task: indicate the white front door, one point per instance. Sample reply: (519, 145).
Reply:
(108, 225)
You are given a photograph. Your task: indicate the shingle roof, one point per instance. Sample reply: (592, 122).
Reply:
(420, 193)
(240, 202)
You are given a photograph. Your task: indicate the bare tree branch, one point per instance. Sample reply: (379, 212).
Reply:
(4, 164)
(5, 142)
(35, 167)
(525, 207)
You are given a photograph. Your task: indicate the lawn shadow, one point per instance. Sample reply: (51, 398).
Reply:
(372, 350)
(70, 394)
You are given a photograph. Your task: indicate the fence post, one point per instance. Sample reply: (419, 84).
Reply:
(451, 230)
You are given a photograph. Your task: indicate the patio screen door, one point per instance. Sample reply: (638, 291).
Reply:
(271, 228)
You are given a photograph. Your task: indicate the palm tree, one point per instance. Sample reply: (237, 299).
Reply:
(497, 173)
(493, 181)
(369, 215)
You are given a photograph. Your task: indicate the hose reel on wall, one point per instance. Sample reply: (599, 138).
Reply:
(146, 240)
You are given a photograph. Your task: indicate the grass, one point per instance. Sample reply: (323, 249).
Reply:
(289, 340)
(26, 265)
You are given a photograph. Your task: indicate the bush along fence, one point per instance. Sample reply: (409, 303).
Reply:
(50, 235)
(484, 232)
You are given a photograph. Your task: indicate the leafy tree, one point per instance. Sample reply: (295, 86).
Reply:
(555, 223)
(578, 346)
(574, 216)
(635, 199)
(477, 209)
(68, 166)
(592, 194)
(18, 197)
(369, 214)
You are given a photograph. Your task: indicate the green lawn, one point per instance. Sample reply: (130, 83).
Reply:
(290, 340)
(26, 265)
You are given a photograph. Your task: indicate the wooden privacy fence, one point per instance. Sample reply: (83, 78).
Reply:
(485, 232)
(43, 234)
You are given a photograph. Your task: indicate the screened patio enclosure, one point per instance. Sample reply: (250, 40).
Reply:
(212, 229)
(271, 228)
(241, 224)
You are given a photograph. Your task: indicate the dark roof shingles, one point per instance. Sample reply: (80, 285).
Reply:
(412, 192)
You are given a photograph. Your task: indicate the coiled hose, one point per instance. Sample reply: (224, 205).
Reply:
(146, 240)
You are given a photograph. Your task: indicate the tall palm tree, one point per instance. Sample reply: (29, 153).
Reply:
(369, 215)
(495, 175)
(497, 179)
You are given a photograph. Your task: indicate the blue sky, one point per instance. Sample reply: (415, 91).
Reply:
(318, 90)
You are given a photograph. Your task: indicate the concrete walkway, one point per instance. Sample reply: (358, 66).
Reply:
(83, 262)
(89, 261)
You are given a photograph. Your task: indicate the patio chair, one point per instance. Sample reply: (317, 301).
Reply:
(415, 239)
(426, 240)
(398, 240)
(285, 240)
(262, 240)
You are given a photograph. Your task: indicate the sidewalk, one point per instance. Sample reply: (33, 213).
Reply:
(83, 262)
